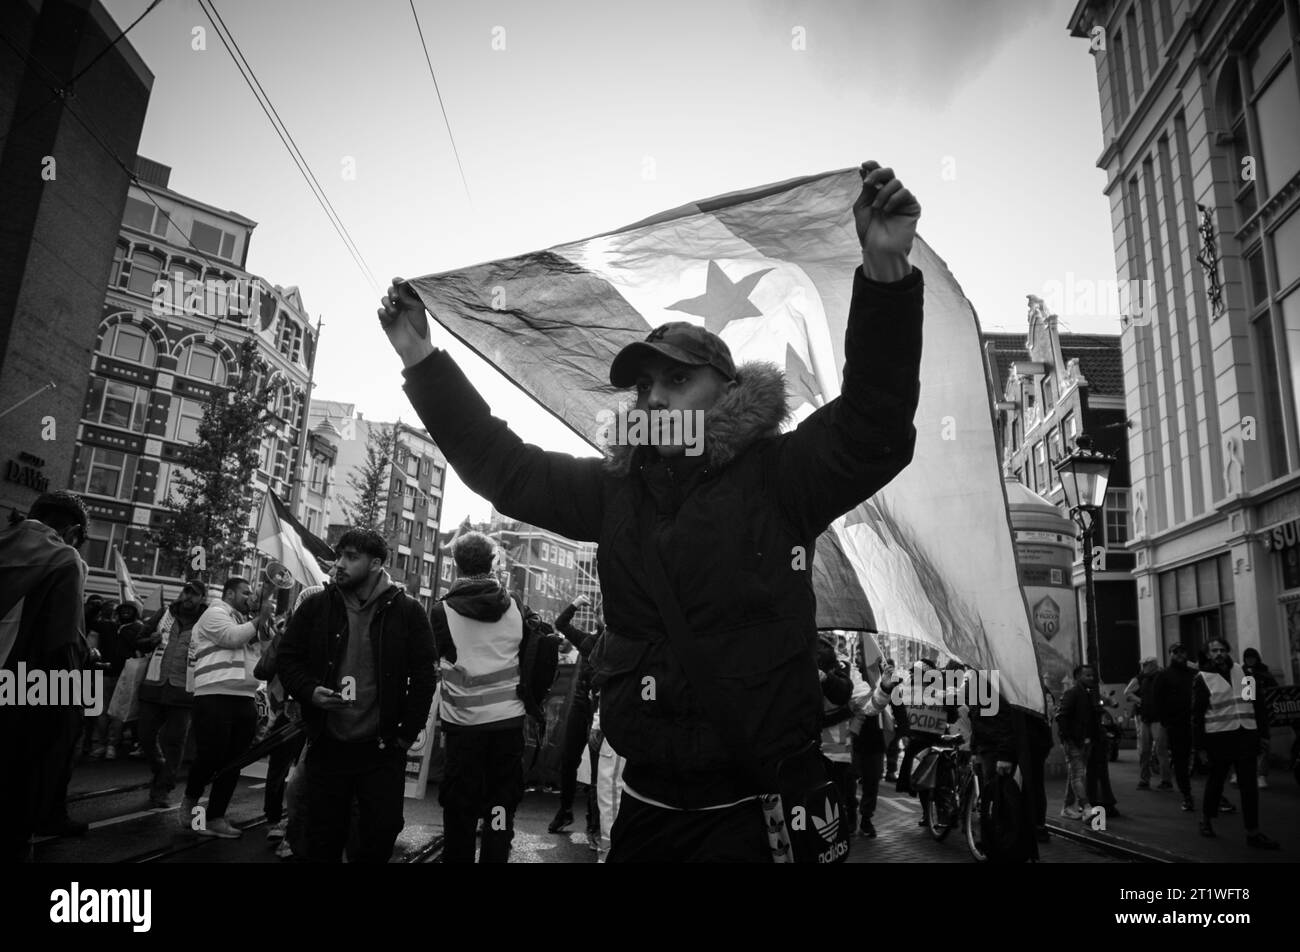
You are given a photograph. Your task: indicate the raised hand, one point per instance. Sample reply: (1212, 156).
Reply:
(885, 214)
(405, 321)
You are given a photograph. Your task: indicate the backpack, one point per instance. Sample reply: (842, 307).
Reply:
(539, 660)
(1006, 838)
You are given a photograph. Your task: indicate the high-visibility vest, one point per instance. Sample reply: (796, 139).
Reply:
(1227, 711)
(482, 687)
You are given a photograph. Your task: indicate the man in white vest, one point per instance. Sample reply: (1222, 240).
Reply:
(477, 631)
(1224, 713)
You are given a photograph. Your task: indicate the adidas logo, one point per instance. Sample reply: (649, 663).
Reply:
(829, 826)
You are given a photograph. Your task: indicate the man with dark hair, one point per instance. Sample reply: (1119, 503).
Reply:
(1225, 722)
(225, 701)
(359, 657)
(1079, 723)
(42, 627)
(478, 629)
(1172, 691)
(722, 521)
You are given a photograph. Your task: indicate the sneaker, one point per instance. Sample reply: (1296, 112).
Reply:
(97, 753)
(186, 816)
(284, 851)
(1072, 813)
(221, 828)
(110, 753)
(1144, 784)
(563, 820)
(1165, 785)
(867, 829)
(1226, 807)
(1262, 842)
(1188, 805)
(1206, 829)
(277, 830)
(1262, 783)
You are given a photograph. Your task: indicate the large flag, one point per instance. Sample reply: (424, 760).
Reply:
(126, 589)
(770, 270)
(287, 540)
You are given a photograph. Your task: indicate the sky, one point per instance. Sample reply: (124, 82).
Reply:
(576, 117)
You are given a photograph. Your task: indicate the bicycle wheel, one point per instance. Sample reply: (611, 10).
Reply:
(972, 818)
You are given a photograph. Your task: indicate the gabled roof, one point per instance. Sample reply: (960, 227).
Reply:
(1099, 356)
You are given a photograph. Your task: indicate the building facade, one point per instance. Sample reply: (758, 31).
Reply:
(546, 570)
(412, 506)
(179, 305)
(1050, 388)
(1200, 109)
(62, 193)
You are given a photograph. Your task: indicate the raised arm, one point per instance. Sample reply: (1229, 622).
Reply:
(848, 449)
(554, 491)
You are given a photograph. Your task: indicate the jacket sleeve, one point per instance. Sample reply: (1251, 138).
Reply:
(848, 449)
(444, 649)
(837, 688)
(554, 491)
(1200, 705)
(869, 701)
(421, 678)
(578, 637)
(219, 629)
(292, 657)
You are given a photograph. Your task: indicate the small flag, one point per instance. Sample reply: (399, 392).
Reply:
(286, 540)
(125, 584)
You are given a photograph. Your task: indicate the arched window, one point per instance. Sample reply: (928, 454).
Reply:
(201, 362)
(127, 342)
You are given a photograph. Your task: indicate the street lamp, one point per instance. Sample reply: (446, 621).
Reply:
(1084, 475)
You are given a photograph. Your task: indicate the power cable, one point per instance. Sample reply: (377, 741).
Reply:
(445, 120)
(250, 78)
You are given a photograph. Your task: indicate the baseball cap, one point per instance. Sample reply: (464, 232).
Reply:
(195, 587)
(681, 341)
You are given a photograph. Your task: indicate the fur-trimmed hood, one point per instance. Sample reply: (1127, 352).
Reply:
(755, 408)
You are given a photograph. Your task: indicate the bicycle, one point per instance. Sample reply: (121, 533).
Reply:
(955, 798)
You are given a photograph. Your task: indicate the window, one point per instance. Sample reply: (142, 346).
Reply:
(102, 472)
(413, 466)
(1015, 433)
(101, 537)
(1049, 393)
(1040, 463)
(406, 531)
(419, 532)
(213, 240)
(138, 214)
(118, 404)
(392, 522)
(403, 563)
(1117, 518)
(119, 265)
(424, 466)
(1286, 251)
(202, 363)
(1197, 604)
(569, 558)
(1118, 81)
(438, 473)
(1135, 52)
(125, 342)
(446, 570)
(1056, 453)
(168, 564)
(183, 420)
(426, 569)
(146, 270)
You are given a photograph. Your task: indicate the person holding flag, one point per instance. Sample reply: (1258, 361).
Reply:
(731, 531)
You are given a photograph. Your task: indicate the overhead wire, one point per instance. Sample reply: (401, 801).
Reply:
(445, 120)
(282, 130)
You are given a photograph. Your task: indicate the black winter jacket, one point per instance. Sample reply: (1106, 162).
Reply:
(315, 643)
(1080, 717)
(1173, 694)
(726, 525)
(585, 642)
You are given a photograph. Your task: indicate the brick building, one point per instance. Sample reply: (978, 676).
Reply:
(63, 196)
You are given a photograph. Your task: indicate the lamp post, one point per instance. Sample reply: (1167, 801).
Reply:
(1084, 475)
